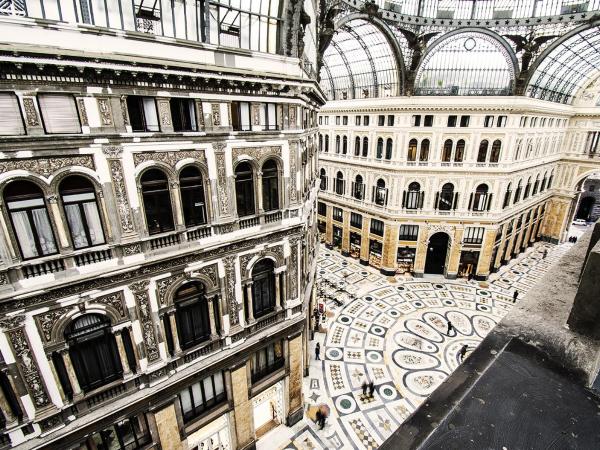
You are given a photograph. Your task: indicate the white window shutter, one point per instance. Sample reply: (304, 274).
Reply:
(59, 113)
(10, 115)
(150, 114)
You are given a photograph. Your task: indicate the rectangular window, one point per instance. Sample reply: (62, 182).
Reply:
(381, 121)
(322, 209)
(416, 120)
(377, 227)
(366, 121)
(320, 120)
(357, 120)
(183, 114)
(428, 122)
(202, 396)
(451, 121)
(501, 121)
(345, 120)
(240, 116)
(266, 361)
(337, 120)
(11, 121)
(338, 214)
(142, 113)
(355, 220)
(464, 121)
(473, 235)
(59, 113)
(390, 121)
(270, 119)
(326, 120)
(488, 121)
(131, 433)
(408, 232)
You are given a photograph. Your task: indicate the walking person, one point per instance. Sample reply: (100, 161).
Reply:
(515, 296)
(319, 416)
(545, 254)
(364, 388)
(371, 389)
(318, 351)
(450, 328)
(462, 352)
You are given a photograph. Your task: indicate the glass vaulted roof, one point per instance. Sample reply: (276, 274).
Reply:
(359, 63)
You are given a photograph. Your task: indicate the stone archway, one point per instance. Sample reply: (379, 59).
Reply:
(437, 253)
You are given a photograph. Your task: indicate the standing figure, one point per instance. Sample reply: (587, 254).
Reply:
(545, 254)
(515, 295)
(371, 389)
(364, 388)
(462, 352)
(318, 351)
(450, 328)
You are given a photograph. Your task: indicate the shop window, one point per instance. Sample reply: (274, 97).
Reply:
(377, 227)
(356, 220)
(29, 218)
(338, 214)
(157, 201)
(244, 189)
(266, 361)
(202, 396)
(183, 114)
(129, 434)
(355, 243)
(59, 113)
(408, 232)
(142, 113)
(405, 258)
(81, 210)
(11, 120)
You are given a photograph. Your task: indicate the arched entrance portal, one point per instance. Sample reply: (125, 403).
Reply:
(585, 208)
(437, 250)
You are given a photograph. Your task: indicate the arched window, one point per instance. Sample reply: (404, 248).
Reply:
(388, 148)
(93, 351)
(339, 183)
(379, 148)
(481, 199)
(191, 314)
(337, 144)
(550, 180)
(460, 151)
(518, 192)
(482, 154)
(413, 199)
(320, 142)
(357, 146)
(323, 177)
(380, 193)
(270, 186)
(81, 210)
(536, 185)
(157, 201)
(527, 189)
(412, 150)
(244, 189)
(345, 145)
(496, 147)
(326, 143)
(29, 218)
(365, 150)
(263, 288)
(543, 186)
(424, 155)
(507, 196)
(447, 198)
(192, 196)
(447, 151)
(359, 188)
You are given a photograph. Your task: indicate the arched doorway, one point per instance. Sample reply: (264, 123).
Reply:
(585, 208)
(437, 250)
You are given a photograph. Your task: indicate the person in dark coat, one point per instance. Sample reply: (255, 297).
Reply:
(318, 351)
(364, 388)
(462, 352)
(371, 389)
(515, 295)
(319, 416)
(545, 254)
(450, 328)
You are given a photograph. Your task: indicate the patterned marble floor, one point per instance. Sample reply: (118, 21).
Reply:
(395, 334)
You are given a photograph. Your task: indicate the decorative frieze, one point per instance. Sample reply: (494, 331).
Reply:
(105, 111)
(275, 252)
(114, 300)
(257, 153)
(46, 166)
(142, 300)
(170, 158)
(131, 249)
(82, 112)
(229, 263)
(31, 116)
(47, 321)
(216, 114)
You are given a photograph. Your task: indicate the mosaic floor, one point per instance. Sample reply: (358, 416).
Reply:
(395, 334)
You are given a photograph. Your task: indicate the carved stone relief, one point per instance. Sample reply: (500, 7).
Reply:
(276, 252)
(222, 183)
(292, 117)
(293, 172)
(115, 300)
(216, 113)
(170, 158)
(256, 152)
(293, 268)
(142, 300)
(46, 166)
(31, 116)
(82, 112)
(131, 249)
(163, 285)
(124, 111)
(229, 263)
(105, 111)
(47, 321)
(118, 183)
(255, 114)
(164, 113)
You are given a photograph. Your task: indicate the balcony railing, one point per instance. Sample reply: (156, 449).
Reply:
(165, 241)
(250, 222)
(93, 257)
(43, 268)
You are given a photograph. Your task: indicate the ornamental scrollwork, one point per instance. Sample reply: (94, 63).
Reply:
(118, 182)
(105, 111)
(256, 152)
(46, 166)
(216, 113)
(112, 151)
(164, 112)
(31, 115)
(47, 321)
(222, 183)
(229, 263)
(293, 171)
(82, 112)
(293, 268)
(115, 300)
(132, 249)
(171, 158)
(142, 300)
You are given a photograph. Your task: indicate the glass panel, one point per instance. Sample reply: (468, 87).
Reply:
(24, 234)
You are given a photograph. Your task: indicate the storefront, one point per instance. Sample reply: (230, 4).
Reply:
(405, 259)
(322, 226)
(355, 242)
(468, 262)
(214, 436)
(375, 252)
(337, 237)
(268, 409)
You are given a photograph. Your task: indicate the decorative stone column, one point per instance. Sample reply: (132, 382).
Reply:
(277, 291)
(211, 318)
(145, 315)
(6, 410)
(485, 256)
(259, 192)
(454, 257)
(122, 354)
(164, 115)
(115, 166)
(390, 249)
(57, 219)
(77, 393)
(364, 241)
(174, 332)
(242, 407)
(178, 209)
(250, 302)
(56, 379)
(32, 119)
(295, 407)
